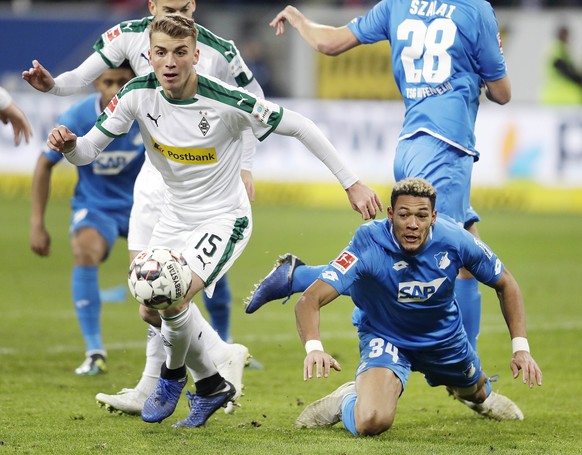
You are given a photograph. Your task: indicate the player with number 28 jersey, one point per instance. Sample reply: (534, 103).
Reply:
(441, 54)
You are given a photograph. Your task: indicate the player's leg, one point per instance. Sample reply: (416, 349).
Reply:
(218, 307)
(463, 376)
(93, 234)
(289, 276)
(368, 406)
(210, 249)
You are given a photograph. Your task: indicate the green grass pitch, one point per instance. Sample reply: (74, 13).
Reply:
(46, 409)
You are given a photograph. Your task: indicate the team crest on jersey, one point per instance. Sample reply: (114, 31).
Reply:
(442, 260)
(330, 275)
(204, 125)
(112, 33)
(344, 261)
(112, 105)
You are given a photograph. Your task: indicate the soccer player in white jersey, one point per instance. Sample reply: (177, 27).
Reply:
(196, 144)
(401, 272)
(129, 40)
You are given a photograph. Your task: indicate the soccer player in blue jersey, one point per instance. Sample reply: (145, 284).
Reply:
(101, 205)
(443, 54)
(401, 273)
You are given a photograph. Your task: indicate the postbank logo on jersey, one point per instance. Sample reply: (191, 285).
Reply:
(186, 155)
(417, 291)
(344, 261)
(112, 33)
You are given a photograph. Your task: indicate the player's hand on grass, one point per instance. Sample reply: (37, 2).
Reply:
(39, 77)
(531, 373)
(323, 363)
(364, 200)
(61, 139)
(290, 14)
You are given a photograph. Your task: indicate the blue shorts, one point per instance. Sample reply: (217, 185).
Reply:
(446, 167)
(455, 365)
(110, 225)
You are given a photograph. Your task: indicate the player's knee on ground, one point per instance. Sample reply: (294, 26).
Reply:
(373, 421)
(150, 316)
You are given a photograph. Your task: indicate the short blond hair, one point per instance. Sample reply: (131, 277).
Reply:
(175, 26)
(413, 186)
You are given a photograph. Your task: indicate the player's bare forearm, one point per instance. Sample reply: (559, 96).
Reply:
(323, 38)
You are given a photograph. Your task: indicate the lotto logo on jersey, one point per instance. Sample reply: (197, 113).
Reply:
(112, 33)
(111, 106)
(344, 261)
(186, 155)
(417, 291)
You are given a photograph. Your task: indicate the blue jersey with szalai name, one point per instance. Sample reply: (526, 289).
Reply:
(410, 299)
(441, 54)
(107, 183)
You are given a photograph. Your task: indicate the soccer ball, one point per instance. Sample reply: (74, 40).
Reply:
(159, 278)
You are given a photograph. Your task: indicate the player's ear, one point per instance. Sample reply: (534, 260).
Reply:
(152, 7)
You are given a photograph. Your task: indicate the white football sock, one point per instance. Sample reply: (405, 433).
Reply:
(155, 357)
(199, 360)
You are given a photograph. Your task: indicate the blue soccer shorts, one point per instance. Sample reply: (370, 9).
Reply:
(457, 365)
(110, 225)
(446, 167)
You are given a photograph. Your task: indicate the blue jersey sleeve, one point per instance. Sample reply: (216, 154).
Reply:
(480, 260)
(353, 262)
(374, 26)
(490, 52)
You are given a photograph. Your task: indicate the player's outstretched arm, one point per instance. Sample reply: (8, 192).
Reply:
(323, 38)
(39, 77)
(513, 310)
(363, 199)
(40, 239)
(307, 313)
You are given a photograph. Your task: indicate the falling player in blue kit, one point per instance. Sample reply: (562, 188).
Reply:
(101, 205)
(400, 273)
(443, 54)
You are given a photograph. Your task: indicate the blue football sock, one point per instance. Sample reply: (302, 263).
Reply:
(348, 418)
(303, 276)
(469, 298)
(88, 306)
(218, 308)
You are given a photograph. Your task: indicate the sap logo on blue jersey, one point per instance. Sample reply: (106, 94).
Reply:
(417, 291)
(112, 163)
